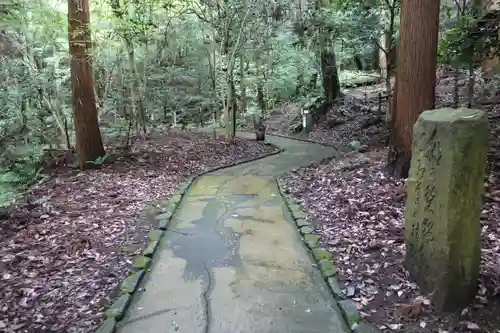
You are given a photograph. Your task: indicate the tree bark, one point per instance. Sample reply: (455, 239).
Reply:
(329, 75)
(415, 78)
(230, 108)
(88, 135)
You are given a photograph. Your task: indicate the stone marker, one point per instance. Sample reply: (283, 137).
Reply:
(445, 185)
(307, 121)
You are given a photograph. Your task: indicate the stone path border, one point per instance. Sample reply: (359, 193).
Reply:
(326, 144)
(324, 261)
(305, 140)
(162, 211)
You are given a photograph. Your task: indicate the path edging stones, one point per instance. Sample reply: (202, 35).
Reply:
(160, 212)
(326, 144)
(324, 262)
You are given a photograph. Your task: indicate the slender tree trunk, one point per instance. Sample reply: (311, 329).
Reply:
(243, 87)
(137, 101)
(230, 107)
(88, 135)
(415, 78)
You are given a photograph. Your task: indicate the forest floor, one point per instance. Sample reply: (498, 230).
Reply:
(359, 210)
(68, 244)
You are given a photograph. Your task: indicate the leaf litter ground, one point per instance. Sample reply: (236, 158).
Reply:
(65, 248)
(360, 212)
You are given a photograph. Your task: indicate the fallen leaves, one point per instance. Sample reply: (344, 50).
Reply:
(61, 255)
(360, 213)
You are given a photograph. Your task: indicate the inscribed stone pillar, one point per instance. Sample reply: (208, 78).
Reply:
(445, 187)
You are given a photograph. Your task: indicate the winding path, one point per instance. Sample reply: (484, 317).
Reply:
(232, 260)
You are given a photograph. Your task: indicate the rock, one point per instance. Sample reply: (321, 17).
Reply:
(297, 213)
(117, 309)
(351, 312)
(445, 185)
(155, 235)
(141, 262)
(174, 201)
(129, 249)
(150, 250)
(163, 224)
(365, 328)
(164, 216)
(109, 326)
(183, 188)
(131, 282)
(306, 230)
(335, 288)
(302, 223)
(350, 290)
(355, 145)
(327, 268)
(169, 205)
(311, 240)
(320, 254)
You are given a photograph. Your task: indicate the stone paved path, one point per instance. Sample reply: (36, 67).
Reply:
(232, 260)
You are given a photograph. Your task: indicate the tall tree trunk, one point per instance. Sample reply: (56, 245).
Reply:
(329, 75)
(88, 135)
(415, 78)
(329, 72)
(326, 50)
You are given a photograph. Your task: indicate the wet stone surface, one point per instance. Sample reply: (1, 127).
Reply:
(232, 260)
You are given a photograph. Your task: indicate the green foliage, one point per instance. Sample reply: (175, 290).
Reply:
(166, 59)
(99, 161)
(467, 39)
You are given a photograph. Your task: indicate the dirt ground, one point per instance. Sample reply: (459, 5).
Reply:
(360, 212)
(68, 244)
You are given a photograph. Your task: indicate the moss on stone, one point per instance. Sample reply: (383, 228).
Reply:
(131, 282)
(141, 262)
(164, 216)
(322, 254)
(117, 309)
(175, 200)
(306, 230)
(335, 288)
(445, 184)
(169, 205)
(350, 311)
(150, 249)
(302, 223)
(183, 188)
(311, 240)
(163, 224)
(155, 235)
(327, 268)
(108, 326)
(297, 213)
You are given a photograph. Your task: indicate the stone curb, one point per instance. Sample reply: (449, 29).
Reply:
(324, 262)
(297, 139)
(162, 211)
